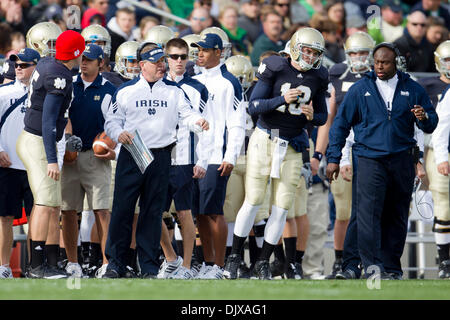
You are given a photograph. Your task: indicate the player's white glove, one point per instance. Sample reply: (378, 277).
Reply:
(73, 143)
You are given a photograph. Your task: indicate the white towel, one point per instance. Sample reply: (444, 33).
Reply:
(278, 155)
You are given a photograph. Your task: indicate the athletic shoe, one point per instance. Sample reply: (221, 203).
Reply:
(291, 272)
(62, 264)
(348, 274)
(203, 270)
(262, 269)
(101, 271)
(182, 273)
(149, 276)
(232, 266)
(91, 271)
(110, 274)
(195, 269)
(168, 268)
(396, 276)
(36, 273)
(130, 273)
(277, 268)
(52, 272)
(444, 269)
(215, 273)
(74, 270)
(244, 271)
(337, 267)
(299, 269)
(5, 272)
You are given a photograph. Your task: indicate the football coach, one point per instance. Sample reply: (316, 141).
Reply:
(382, 108)
(154, 106)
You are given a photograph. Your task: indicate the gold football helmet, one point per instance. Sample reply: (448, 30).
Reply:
(307, 38)
(356, 43)
(193, 52)
(242, 69)
(98, 35)
(42, 37)
(226, 52)
(159, 35)
(442, 58)
(126, 59)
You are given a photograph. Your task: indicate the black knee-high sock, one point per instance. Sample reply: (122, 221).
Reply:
(338, 254)
(253, 249)
(279, 252)
(37, 253)
(266, 251)
(290, 248)
(238, 244)
(95, 253)
(199, 254)
(443, 251)
(299, 256)
(85, 251)
(227, 252)
(51, 253)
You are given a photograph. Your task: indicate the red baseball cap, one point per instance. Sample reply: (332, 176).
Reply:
(69, 45)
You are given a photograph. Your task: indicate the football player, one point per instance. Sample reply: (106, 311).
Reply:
(242, 69)
(126, 65)
(14, 185)
(283, 99)
(98, 35)
(226, 52)
(191, 68)
(159, 35)
(42, 38)
(49, 98)
(437, 161)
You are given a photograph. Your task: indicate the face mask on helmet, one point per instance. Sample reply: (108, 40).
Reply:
(309, 58)
(359, 61)
(128, 67)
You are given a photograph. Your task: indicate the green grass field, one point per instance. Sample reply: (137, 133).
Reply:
(137, 289)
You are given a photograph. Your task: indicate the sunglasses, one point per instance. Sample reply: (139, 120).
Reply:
(204, 3)
(202, 19)
(23, 65)
(177, 56)
(423, 25)
(283, 4)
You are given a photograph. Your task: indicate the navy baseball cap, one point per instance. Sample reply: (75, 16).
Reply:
(394, 5)
(209, 41)
(8, 71)
(26, 55)
(93, 52)
(153, 55)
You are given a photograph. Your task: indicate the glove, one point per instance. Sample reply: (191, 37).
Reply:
(307, 174)
(322, 172)
(73, 143)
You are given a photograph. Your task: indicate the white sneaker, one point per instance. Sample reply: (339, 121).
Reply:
(215, 273)
(182, 273)
(317, 276)
(73, 270)
(5, 272)
(101, 271)
(203, 270)
(169, 268)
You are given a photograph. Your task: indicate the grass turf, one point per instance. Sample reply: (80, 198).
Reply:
(137, 289)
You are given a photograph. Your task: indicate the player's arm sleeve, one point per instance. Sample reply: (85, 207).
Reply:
(115, 118)
(61, 146)
(235, 123)
(346, 151)
(341, 126)
(427, 125)
(440, 136)
(260, 102)
(51, 108)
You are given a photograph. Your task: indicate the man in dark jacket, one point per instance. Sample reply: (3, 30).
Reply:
(382, 109)
(414, 46)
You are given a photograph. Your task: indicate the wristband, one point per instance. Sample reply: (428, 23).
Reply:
(317, 155)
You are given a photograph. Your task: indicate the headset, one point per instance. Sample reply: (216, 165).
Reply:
(400, 61)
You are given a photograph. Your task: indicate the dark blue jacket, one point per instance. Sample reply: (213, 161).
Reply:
(377, 133)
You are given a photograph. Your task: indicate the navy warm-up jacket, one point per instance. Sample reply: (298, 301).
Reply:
(378, 133)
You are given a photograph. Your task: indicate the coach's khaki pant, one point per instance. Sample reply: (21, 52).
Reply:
(30, 149)
(318, 216)
(236, 193)
(439, 187)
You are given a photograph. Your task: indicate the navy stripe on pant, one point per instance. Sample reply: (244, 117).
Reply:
(384, 190)
(152, 188)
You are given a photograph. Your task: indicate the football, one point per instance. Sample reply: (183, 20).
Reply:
(101, 142)
(70, 156)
